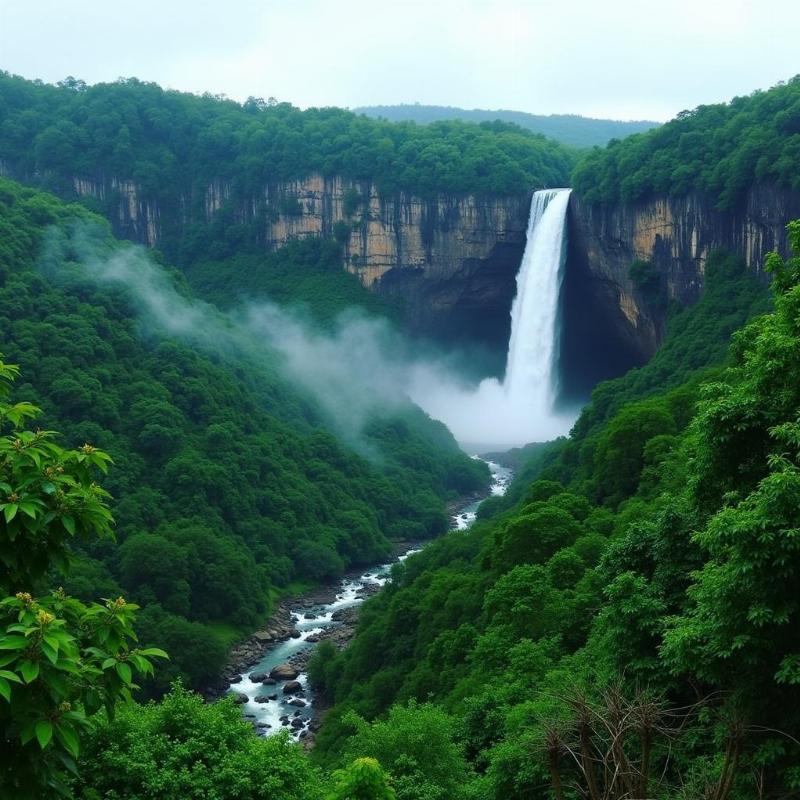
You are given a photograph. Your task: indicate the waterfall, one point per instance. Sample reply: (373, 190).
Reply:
(520, 409)
(531, 380)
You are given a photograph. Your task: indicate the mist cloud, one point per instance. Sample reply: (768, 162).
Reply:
(358, 369)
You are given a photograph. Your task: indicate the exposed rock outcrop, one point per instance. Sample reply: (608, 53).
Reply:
(675, 235)
(452, 259)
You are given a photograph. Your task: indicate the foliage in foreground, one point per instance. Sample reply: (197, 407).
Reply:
(182, 747)
(61, 661)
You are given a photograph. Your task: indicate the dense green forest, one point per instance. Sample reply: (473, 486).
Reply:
(721, 149)
(569, 129)
(625, 624)
(172, 145)
(228, 485)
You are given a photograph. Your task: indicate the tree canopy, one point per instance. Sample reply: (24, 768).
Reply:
(722, 150)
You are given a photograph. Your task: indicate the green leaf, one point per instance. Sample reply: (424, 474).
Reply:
(67, 736)
(153, 651)
(10, 511)
(52, 655)
(124, 671)
(5, 689)
(11, 676)
(13, 643)
(29, 670)
(68, 523)
(44, 732)
(29, 508)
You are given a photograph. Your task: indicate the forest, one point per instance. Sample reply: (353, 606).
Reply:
(721, 150)
(622, 623)
(228, 485)
(173, 145)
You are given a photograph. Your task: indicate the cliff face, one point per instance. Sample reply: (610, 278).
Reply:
(676, 236)
(452, 259)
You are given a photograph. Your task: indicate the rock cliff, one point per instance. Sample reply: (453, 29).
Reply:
(452, 259)
(675, 236)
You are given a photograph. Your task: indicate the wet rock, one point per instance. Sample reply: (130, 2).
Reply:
(309, 615)
(258, 677)
(261, 698)
(295, 634)
(292, 686)
(239, 698)
(298, 724)
(283, 672)
(313, 639)
(297, 702)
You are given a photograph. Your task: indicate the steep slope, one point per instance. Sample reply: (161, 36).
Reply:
(228, 483)
(643, 551)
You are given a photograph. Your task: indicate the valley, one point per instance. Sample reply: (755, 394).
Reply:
(351, 458)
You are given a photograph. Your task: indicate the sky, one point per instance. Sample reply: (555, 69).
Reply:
(616, 59)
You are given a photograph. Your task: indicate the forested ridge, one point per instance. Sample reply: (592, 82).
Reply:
(173, 145)
(721, 149)
(227, 484)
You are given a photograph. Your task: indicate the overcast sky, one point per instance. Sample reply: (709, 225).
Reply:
(619, 58)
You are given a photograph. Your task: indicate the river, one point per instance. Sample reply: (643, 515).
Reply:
(276, 708)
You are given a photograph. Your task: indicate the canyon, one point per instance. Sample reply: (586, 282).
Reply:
(452, 260)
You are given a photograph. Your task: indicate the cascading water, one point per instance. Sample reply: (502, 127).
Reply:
(531, 379)
(520, 409)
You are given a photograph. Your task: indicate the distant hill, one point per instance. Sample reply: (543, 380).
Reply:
(569, 129)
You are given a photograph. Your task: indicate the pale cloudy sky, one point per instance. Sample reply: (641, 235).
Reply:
(617, 58)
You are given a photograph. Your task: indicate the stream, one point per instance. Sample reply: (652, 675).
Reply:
(286, 701)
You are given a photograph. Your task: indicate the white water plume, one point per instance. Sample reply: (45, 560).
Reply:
(520, 409)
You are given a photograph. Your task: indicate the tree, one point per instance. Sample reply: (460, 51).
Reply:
(61, 661)
(362, 780)
(184, 748)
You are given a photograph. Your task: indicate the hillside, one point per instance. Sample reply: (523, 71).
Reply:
(630, 603)
(568, 129)
(198, 167)
(722, 150)
(229, 483)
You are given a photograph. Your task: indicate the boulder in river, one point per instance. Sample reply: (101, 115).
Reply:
(283, 672)
(258, 677)
(240, 698)
(292, 686)
(261, 698)
(297, 702)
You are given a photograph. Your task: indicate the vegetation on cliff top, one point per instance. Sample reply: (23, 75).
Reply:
(174, 145)
(720, 149)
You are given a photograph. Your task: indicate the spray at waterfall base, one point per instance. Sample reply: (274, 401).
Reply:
(519, 409)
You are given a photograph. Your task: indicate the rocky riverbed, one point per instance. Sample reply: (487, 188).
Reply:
(266, 673)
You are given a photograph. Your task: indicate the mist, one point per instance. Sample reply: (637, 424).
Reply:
(359, 369)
